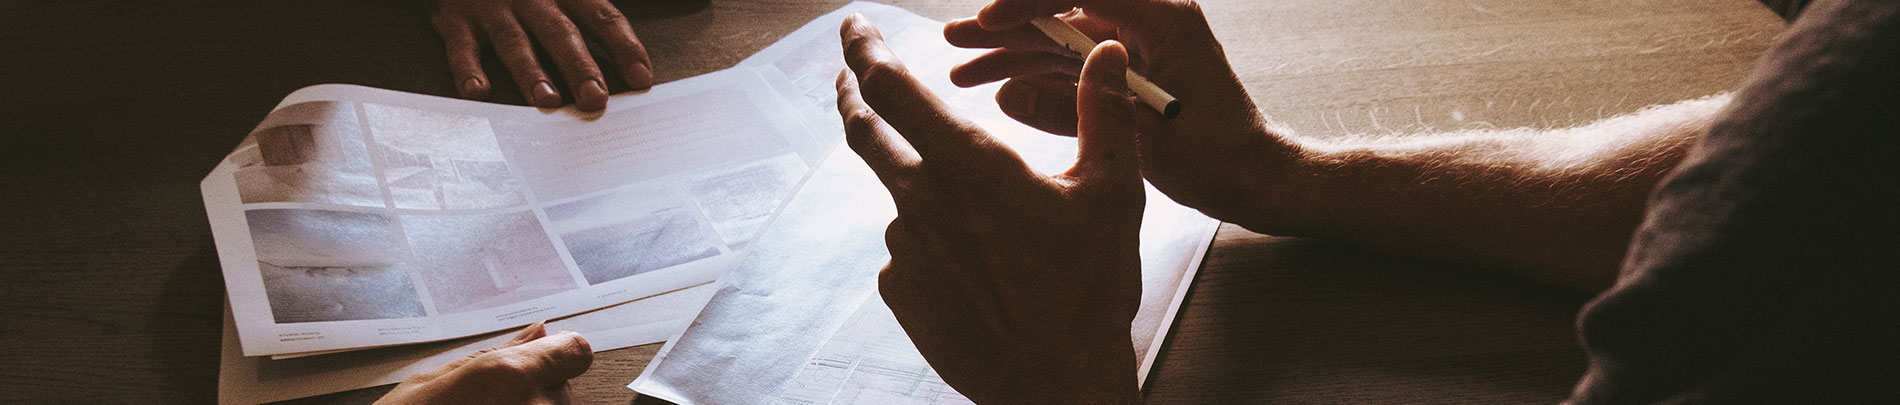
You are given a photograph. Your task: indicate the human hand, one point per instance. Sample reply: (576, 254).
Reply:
(467, 25)
(532, 368)
(1016, 286)
(1217, 156)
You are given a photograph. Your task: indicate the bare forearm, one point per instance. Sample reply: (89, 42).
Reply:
(1556, 206)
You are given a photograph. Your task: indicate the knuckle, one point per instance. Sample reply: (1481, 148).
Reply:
(884, 73)
(893, 236)
(1108, 95)
(607, 14)
(1190, 8)
(558, 25)
(506, 369)
(558, 30)
(1120, 108)
(860, 121)
(854, 40)
(901, 238)
(508, 36)
(901, 190)
(892, 285)
(460, 42)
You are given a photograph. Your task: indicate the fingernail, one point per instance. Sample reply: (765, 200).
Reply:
(582, 340)
(592, 96)
(544, 95)
(598, 88)
(1021, 97)
(472, 87)
(528, 331)
(639, 76)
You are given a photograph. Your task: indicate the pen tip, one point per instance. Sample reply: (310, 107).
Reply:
(1173, 109)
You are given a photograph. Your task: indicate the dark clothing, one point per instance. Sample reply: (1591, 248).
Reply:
(1767, 268)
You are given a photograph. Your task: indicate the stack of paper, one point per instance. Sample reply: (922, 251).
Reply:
(356, 224)
(356, 218)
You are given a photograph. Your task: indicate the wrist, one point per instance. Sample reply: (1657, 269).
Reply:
(1275, 188)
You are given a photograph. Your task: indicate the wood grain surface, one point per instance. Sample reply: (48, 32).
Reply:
(111, 112)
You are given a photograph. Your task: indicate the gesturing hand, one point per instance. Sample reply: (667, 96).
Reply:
(467, 25)
(532, 368)
(1016, 286)
(1216, 156)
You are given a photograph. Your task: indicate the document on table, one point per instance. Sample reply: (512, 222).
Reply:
(797, 319)
(253, 380)
(355, 217)
(869, 361)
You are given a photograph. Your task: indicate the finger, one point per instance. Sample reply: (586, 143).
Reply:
(452, 366)
(1005, 14)
(1045, 102)
(531, 332)
(874, 140)
(967, 33)
(605, 22)
(548, 361)
(1008, 63)
(563, 43)
(512, 46)
(527, 334)
(1105, 128)
(464, 52)
(939, 136)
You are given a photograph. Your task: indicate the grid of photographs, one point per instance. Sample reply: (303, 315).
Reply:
(451, 227)
(320, 158)
(431, 219)
(323, 265)
(631, 231)
(472, 262)
(435, 160)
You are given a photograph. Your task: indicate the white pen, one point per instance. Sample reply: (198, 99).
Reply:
(1075, 40)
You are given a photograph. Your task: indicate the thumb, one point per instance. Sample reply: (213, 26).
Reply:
(1105, 126)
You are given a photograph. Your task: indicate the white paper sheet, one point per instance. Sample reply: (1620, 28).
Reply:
(869, 361)
(777, 327)
(356, 217)
(249, 380)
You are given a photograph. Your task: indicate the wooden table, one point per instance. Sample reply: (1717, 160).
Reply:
(111, 112)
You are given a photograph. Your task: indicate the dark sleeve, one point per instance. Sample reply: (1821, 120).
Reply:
(1766, 268)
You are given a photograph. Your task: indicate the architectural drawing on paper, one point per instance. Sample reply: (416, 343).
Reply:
(869, 361)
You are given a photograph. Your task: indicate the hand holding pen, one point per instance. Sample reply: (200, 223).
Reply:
(1215, 155)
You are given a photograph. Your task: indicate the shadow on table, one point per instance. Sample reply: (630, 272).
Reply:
(1281, 319)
